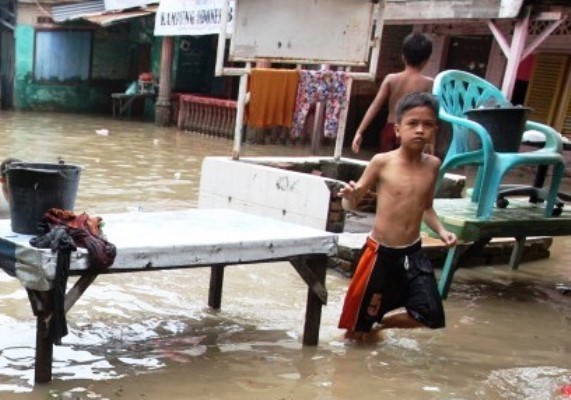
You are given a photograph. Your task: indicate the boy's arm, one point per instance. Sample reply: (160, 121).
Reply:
(430, 218)
(353, 192)
(432, 221)
(380, 99)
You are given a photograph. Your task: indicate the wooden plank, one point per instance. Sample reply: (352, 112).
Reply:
(77, 290)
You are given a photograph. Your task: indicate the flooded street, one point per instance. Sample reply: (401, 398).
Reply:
(151, 335)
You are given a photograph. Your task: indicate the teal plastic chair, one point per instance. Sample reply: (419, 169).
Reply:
(458, 92)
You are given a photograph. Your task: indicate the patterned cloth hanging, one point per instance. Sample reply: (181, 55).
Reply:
(320, 86)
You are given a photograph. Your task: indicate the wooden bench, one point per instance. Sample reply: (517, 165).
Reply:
(214, 238)
(122, 103)
(519, 220)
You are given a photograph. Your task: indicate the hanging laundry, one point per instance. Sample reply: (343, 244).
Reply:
(272, 97)
(320, 86)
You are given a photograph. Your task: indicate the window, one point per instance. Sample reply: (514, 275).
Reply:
(62, 56)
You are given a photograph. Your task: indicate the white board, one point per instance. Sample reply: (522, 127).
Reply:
(191, 17)
(303, 31)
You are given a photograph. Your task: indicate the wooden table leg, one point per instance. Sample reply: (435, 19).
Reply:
(517, 252)
(215, 289)
(42, 306)
(313, 270)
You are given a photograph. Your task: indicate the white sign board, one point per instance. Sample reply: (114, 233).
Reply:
(305, 31)
(191, 17)
(111, 5)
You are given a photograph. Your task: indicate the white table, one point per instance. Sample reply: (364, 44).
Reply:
(150, 241)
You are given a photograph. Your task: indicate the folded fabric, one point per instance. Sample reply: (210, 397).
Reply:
(272, 97)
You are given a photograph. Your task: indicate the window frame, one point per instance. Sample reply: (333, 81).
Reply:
(64, 82)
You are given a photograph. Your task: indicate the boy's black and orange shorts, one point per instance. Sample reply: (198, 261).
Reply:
(388, 278)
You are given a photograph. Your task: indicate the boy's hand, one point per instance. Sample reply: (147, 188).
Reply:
(347, 191)
(356, 145)
(448, 238)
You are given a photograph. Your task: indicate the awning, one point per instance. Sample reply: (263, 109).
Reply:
(116, 17)
(191, 17)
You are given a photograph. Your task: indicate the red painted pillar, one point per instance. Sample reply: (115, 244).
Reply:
(163, 105)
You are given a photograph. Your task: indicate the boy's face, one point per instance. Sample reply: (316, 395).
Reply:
(417, 128)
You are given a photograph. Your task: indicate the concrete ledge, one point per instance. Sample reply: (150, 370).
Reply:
(496, 253)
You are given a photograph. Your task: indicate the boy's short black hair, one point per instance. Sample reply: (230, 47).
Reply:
(5, 164)
(414, 100)
(416, 48)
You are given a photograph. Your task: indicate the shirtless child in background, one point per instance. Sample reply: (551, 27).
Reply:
(416, 51)
(392, 271)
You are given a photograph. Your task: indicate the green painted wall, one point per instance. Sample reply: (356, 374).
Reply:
(118, 53)
(30, 95)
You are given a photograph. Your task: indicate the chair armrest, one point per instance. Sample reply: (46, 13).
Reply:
(473, 126)
(553, 141)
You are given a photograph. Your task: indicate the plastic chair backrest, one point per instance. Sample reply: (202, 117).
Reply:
(460, 91)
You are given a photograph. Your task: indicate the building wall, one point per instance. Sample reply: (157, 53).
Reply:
(115, 54)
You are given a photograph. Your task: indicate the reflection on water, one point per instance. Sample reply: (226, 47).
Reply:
(151, 336)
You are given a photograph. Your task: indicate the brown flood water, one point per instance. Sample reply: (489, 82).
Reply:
(150, 336)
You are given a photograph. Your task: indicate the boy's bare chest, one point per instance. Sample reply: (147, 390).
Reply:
(406, 185)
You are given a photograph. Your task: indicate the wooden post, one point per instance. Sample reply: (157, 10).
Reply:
(342, 123)
(43, 309)
(318, 265)
(242, 89)
(215, 289)
(163, 105)
(516, 51)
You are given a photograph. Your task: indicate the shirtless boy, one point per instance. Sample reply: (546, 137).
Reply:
(392, 271)
(416, 50)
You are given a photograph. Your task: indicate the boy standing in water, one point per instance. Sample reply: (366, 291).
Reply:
(416, 50)
(392, 271)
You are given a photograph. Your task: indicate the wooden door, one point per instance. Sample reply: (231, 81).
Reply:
(547, 87)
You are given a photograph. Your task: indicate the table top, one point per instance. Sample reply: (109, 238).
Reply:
(126, 96)
(520, 218)
(172, 239)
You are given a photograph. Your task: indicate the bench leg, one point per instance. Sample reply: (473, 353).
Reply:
(447, 272)
(317, 264)
(42, 307)
(215, 289)
(517, 252)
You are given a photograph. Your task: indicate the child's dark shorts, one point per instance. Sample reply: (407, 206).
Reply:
(389, 278)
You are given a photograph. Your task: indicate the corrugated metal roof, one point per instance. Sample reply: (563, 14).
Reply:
(113, 18)
(94, 11)
(68, 12)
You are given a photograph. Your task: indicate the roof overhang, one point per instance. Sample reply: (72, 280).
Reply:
(107, 19)
(400, 11)
(96, 13)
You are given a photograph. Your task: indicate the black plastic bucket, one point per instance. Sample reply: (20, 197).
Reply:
(505, 125)
(34, 188)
